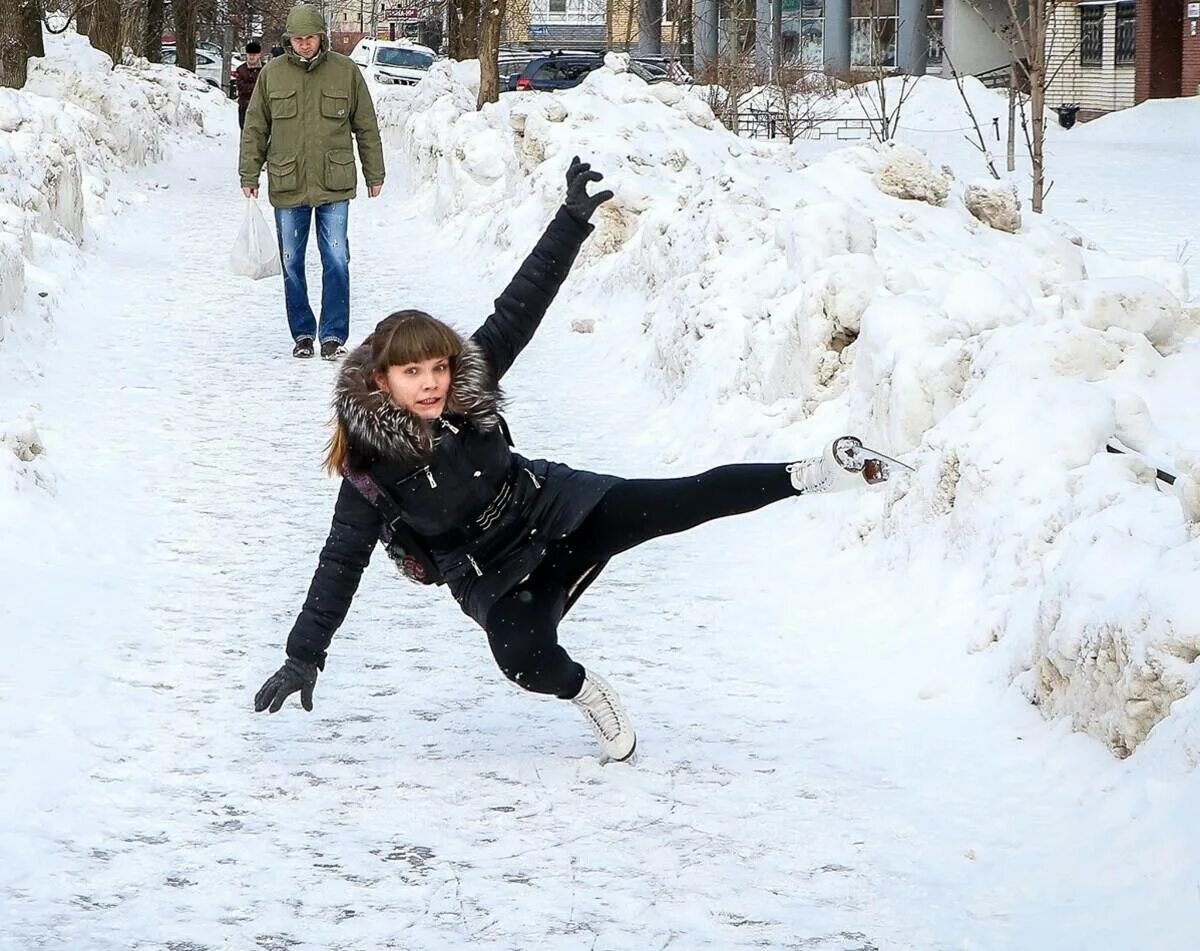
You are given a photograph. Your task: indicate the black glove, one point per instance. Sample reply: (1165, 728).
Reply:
(579, 203)
(292, 676)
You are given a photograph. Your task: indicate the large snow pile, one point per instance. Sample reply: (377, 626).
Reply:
(783, 303)
(76, 120)
(61, 137)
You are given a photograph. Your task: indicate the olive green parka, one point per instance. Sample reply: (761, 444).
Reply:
(299, 123)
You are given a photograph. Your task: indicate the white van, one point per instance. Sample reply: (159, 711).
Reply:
(394, 62)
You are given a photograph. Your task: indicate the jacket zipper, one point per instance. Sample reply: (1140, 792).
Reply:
(429, 476)
(475, 565)
(533, 479)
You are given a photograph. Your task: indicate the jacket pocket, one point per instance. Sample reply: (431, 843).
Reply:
(340, 173)
(283, 105)
(282, 175)
(335, 105)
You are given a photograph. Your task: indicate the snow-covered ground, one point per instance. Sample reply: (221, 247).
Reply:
(834, 753)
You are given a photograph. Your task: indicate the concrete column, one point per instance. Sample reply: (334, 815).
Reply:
(912, 36)
(762, 36)
(837, 36)
(776, 33)
(650, 16)
(704, 33)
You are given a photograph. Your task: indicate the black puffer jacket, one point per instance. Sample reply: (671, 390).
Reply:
(486, 512)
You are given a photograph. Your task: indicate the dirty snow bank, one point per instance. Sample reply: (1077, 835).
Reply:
(62, 137)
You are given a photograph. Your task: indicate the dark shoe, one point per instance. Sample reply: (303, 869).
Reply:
(332, 349)
(303, 348)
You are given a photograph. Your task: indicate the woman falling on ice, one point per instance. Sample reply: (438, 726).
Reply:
(428, 470)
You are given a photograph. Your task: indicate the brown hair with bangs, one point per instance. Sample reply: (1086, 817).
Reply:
(407, 336)
(411, 336)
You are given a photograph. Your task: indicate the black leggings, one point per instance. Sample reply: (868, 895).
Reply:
(522, 627)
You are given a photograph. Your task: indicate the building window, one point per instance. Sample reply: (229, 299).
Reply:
(936, 46)
(803, 24)
(558, 6)
(873, 33)
(1091, 35)
(1126, 34)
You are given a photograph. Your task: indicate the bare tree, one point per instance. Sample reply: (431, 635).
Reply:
(801, 98)
(979, 141)
(186, 14)
(489, 52)
(104, 30)
(1028, 31)
(464, 20)
(152, 29)
(881, 102)
(1010, 157)
(14, 56)
(32, 14)
(734, 73)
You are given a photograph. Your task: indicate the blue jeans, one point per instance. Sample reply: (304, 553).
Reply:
(292, 225)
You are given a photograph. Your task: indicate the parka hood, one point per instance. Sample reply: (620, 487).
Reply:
(305, 20)
(378, 427)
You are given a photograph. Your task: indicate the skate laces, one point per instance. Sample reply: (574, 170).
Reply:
(808, 475)
(602, 712)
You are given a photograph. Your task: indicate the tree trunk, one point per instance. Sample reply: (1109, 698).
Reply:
(1011, 157)
(687, 47)
(104, 31)
(83, 17)
(489, 52)
(650, 17)
(453, 29)
(31, 11)
(152, 35)
(186, 16)
(14, 57)
(470, 13)
(1037, 104)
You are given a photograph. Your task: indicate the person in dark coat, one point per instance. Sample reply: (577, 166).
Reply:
(245, 77)
(515, 540)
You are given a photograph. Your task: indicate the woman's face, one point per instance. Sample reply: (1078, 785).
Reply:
(421, 388)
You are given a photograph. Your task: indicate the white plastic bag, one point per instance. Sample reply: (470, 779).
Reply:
(256, 252)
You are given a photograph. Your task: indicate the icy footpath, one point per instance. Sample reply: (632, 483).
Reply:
(822, 766)
(779, 302)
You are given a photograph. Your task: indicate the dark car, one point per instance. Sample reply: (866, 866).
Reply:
(554, 71)
(560, 70)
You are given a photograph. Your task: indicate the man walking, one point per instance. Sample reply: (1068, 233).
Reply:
(299, 122)
(245, 77)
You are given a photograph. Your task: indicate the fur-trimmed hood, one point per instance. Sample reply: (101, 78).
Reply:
(378, 427)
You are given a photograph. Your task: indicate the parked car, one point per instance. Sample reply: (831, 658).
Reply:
(208, 64)
(393, 62)
(553, 71)
(564, 70)
(235, 61)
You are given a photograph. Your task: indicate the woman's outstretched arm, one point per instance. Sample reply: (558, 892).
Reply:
(521, 306)
(347, 551)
